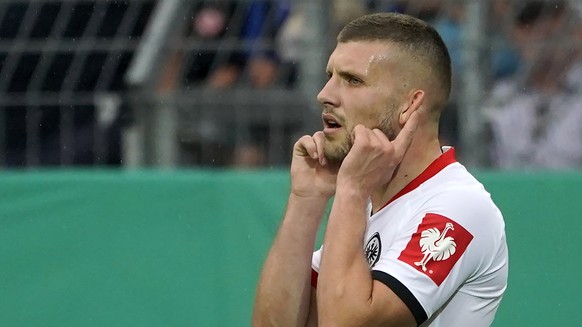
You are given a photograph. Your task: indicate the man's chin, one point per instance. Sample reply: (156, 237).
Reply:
(335, 155)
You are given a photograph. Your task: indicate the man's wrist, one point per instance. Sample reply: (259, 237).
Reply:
(308, 201)
(352, 190)
(307, 211)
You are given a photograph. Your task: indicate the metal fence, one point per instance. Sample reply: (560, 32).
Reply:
(208, 83)
(216, 89)
(61, 78)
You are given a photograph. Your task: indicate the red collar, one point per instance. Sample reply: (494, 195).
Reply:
(445, 159)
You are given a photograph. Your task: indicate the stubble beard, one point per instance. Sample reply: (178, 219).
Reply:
(335, 151)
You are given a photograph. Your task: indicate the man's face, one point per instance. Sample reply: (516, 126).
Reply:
(365, 87)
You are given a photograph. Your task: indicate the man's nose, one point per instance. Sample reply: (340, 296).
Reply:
(328, 95)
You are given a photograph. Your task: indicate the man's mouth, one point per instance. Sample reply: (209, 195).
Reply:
(329, 121)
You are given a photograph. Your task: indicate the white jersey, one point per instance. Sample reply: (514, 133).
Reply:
(440, 245)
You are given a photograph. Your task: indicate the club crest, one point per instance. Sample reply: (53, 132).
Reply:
(373, 249)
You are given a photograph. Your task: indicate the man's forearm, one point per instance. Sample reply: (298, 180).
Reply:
(284, 289)
(345, 283)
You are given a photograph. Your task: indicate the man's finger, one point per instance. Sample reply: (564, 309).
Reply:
(306, 146)
(319, 139)
(380, 135)
(360, 134)
(404, 138)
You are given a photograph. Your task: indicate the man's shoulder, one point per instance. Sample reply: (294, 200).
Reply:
(455, 178)
(456, 193)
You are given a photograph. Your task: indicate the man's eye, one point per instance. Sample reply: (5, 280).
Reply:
(354, 81)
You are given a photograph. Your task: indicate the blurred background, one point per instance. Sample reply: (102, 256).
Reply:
(222, 83)
(144, 147)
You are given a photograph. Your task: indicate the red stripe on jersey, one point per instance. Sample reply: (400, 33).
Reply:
(434, 168)
(435, 247)
(314, 276)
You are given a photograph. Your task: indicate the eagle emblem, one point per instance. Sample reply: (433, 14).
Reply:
(373, 249)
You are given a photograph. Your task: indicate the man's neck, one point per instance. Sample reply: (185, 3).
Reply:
(418, 157)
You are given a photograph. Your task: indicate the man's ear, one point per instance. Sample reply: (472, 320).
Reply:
(415, 100)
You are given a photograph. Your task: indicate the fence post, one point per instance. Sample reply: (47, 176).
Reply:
(313, 61)
(156, 140)
(472, 124)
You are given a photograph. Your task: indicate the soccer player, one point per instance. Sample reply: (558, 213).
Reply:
(412, 237)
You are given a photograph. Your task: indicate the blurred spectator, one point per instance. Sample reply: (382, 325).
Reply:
(264, 22)
(233, 41)
(230, 44)
(504, 57)
(536, 115)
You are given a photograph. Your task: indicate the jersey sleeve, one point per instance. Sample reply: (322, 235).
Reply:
(315, 264)
(427, 261)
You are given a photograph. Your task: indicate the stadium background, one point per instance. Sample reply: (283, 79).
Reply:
(126, 197)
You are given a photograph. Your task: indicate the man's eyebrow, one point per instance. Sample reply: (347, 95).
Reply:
(349, 74)
(343, 73)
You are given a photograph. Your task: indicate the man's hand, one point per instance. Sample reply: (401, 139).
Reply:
(311, 174)
(373, 158)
